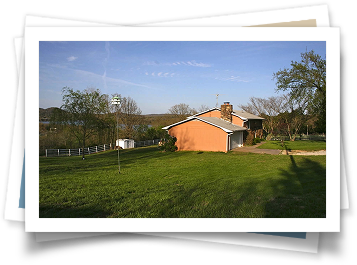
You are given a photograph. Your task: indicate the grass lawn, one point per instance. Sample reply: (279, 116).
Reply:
(183, 184)
(304, 145)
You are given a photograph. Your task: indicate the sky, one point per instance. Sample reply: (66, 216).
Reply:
(161, 74)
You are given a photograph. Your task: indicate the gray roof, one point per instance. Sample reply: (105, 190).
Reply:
(224, 125)
(246, 115)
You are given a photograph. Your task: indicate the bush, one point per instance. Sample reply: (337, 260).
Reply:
(249, 139)
(256, 141)
(168, 144)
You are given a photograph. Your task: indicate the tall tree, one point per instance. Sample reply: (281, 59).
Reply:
(129, 117)
(81, 110)
(306, 80)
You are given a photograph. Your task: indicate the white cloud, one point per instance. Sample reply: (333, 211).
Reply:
(71, 58)
(161, 74)
(194, 63)
(232, 78)
(188, 63)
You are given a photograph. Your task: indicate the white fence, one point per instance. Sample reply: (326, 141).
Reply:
(78, 151)
(94, 149)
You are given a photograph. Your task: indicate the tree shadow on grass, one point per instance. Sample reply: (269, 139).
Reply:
(302, 192)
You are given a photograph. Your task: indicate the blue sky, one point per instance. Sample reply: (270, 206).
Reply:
(158, 75)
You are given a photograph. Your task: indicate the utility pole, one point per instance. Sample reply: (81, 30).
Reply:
(116, 101)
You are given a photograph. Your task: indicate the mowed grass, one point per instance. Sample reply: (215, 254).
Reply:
(304, 145)
(155, 184)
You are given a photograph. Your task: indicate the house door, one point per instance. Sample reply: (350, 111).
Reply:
(236, 140)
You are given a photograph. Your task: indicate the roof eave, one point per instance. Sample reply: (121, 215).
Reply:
(246, 119)
(203, 112)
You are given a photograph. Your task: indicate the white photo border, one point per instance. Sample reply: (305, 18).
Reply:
(35, 224)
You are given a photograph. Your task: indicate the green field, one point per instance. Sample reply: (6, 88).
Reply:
(183, 184)
(304, 145)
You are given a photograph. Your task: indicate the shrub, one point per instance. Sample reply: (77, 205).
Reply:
(168, 144)
(256, 141)
(249, 139)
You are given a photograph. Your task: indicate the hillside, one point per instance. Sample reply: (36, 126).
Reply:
(45, 114)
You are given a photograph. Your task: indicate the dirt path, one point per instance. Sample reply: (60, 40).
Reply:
(254, 149)
(304, 153)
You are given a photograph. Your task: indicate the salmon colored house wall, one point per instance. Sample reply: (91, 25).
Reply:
(212, 113)
(197, 135)
(237, 121)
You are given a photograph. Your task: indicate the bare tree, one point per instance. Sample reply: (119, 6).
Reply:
(203, 108)
(268, 108)
(129, 117)
(283, 114)
(182, 111)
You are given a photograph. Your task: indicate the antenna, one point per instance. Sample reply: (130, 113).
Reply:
(217, 95)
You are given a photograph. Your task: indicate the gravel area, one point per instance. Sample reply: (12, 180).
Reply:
(304, 153)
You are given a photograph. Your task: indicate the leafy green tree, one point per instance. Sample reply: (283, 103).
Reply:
(306, 80)
(81, 111)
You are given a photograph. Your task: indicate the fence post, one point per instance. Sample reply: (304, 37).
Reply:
(58, 152)
(96, 149)
(110, 146)
(79, 151)
(46, 152)
(69, 152)
(88, 151)
(104, 147)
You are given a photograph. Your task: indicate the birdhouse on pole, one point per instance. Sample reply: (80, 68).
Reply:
(116, 101)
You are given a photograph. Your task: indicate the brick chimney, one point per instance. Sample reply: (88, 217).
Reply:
(226, 111)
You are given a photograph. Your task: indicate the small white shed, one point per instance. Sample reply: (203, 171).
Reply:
(125, 143)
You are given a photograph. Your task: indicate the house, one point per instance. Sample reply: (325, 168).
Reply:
(215, 129)
(124, 143)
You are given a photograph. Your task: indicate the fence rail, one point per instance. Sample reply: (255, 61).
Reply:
(94, 149)
(78, 151)
(301, 138)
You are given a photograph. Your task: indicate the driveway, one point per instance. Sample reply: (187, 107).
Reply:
(254, 149)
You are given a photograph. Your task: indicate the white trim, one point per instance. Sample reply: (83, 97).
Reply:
(244, 119)
(206, 111)
(174, 124)
(228, 142)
